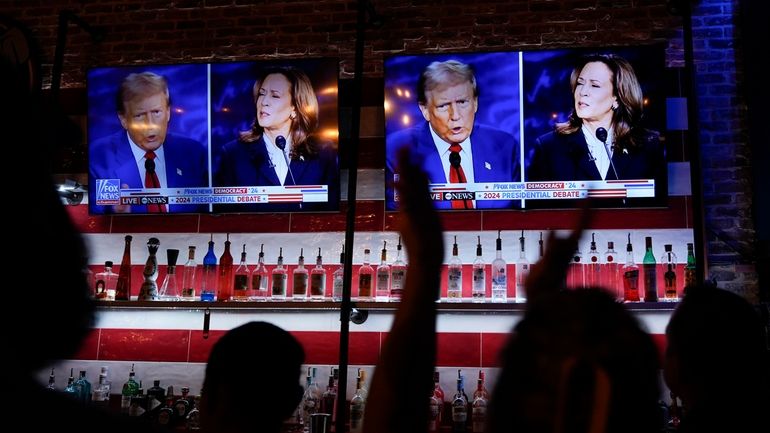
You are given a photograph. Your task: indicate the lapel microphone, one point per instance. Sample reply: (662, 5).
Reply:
(601, 134)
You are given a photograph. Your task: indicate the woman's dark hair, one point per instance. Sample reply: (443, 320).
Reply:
(626, 88)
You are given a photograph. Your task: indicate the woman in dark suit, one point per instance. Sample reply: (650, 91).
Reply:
(281, 148)
(602, 139)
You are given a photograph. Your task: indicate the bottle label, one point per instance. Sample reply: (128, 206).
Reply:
(397, 279)
(650, 283)
(241, 282)
(365, 285)
(459, 412)
(256, 281)
(382, 281)
(455, 277)
(317, 284)
(479, 279)
(337, 288)
(279, 284)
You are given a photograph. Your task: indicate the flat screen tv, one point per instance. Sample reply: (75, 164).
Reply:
(516, 130)
(258, 136)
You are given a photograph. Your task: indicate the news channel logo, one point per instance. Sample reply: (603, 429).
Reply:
(107, 192)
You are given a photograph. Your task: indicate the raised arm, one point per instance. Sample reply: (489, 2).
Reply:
(403, 379)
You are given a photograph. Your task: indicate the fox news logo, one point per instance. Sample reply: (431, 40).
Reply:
(107, 191)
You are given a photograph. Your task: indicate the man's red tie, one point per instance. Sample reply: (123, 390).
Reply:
(151, 181)
(457, 175)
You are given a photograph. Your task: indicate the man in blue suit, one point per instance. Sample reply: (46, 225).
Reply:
(452, 147)
(145, 155)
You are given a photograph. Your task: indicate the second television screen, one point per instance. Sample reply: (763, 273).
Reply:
(532, 129)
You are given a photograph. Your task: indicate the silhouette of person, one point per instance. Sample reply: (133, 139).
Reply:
(717, 362)
(246, 391)
(403, 379)
(64, 315)
(577, 361)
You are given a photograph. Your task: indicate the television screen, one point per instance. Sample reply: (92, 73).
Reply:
(218, 137)
(530, 129)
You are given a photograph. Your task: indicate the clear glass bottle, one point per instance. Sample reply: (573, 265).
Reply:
(123, 286)
(479, 408)
(454, 290)
(630, 275)
(459, 407)
(649, 266)
(300, 278)
(169, 290)
(438, 392)
(51, 382)
(311, 399)
(397, 275)
(70, 388)
(241, 289)
(209, 279)
(188, 275)
(357, 406)
(499, 273)
(225, 283)
(593, 265)
(610, 269)
(318, 279)
(338, 278)
(365, 274)
(105, 282)
(280, 278)
(522, 270)
(434, 422)
(329, 397)
(669, 274)
(690, 278)
(382, 291)
(479, 288)
(101, 393)
(259, 277)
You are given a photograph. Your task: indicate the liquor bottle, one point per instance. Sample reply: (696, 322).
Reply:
(259, 277)
(338, 278)
(438, 392)
(459, 407)
(311, 399)
(329, 397)
(193, 421)
(479, 288)
(169, 290)
(576, 276)
(594, 265)
(669, 273)
(397, 275)
(182, 405)
(365, 273)
(149, 289)
(156, 397)
(225, 283)
(279, 277)
(499, 275)
(357, 406)
(479, 407)
(105, 282)
(318, 279)
(130, 389)
(649, 267)
(51, 382)
(83, 388)
(689, 268)
(241, 291)
(382, 291)
(481, 389)
(540, 247)
(434, 422)
(70, 388)
(188, 275)
(101, 393)
(522, 270)
(454, 291)
(123, 287)
(610, 271)
(300, 278)
(630, 275)
(209, 280)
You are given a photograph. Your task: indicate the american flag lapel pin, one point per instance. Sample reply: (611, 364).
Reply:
(487, 165)
(178, 171)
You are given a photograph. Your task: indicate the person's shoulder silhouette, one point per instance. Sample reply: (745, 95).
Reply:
(252, 380)
(717, 362)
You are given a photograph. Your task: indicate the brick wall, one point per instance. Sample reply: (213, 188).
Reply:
(162, 31)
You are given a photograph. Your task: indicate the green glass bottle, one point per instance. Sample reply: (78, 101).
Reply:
(689, 268)
(650, 272)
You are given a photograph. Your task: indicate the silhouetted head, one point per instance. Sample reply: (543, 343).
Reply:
(577, 361)
(252, 379)
(716, 356)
